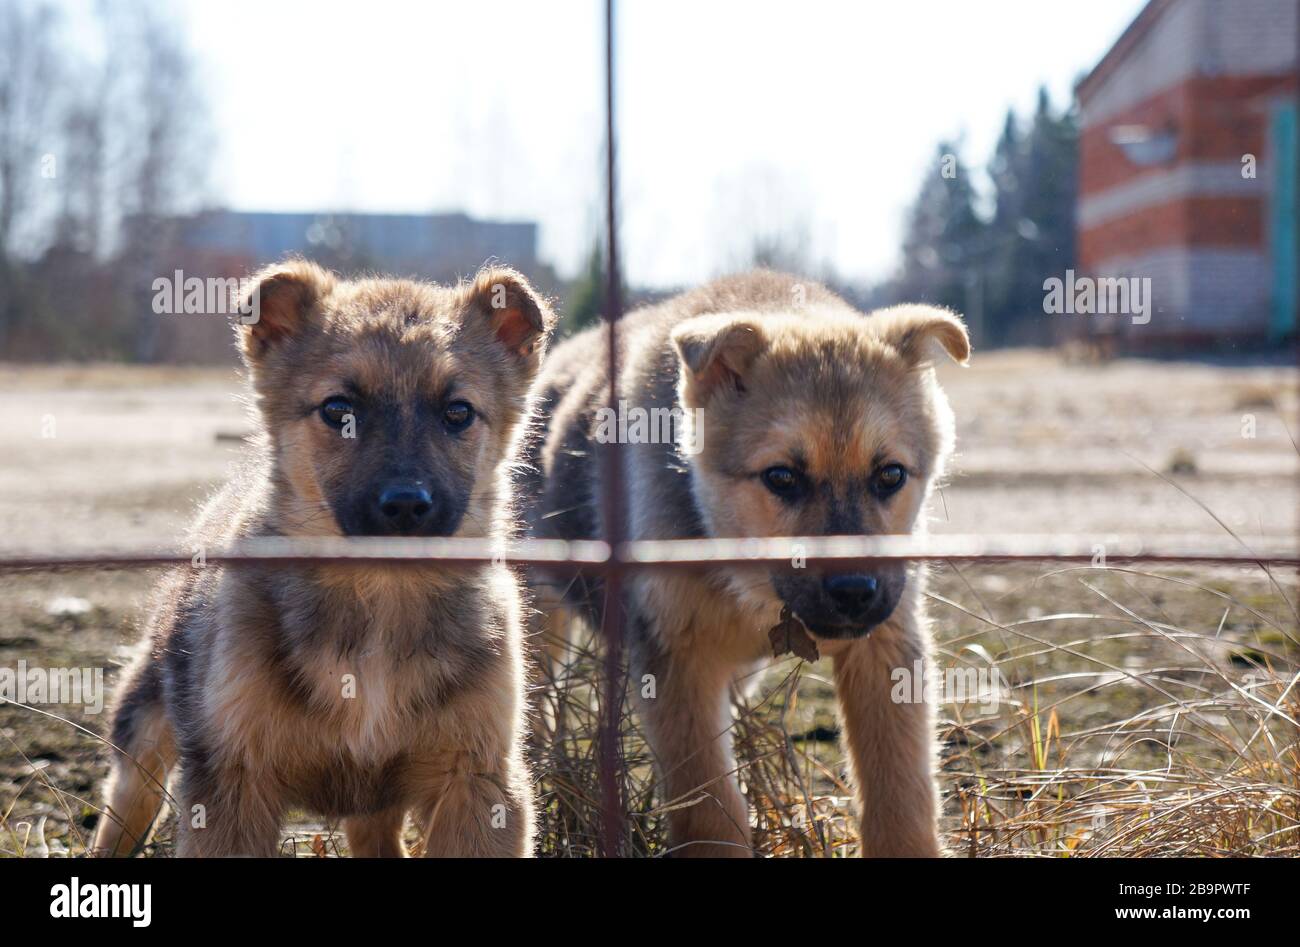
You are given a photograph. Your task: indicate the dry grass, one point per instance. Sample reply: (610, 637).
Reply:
(1193, 753)
(1158, 728)
(1149, 713)
(779, 764)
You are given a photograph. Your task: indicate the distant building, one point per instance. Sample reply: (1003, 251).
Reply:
(1188, 169)
(437, 246)
(227, 244)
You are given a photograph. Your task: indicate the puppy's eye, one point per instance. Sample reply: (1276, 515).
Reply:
(782, 481)
(334, 410)
(457, 416)
(888, 479)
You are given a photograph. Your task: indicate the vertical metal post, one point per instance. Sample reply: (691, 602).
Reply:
(1295, 212)
(613, 811)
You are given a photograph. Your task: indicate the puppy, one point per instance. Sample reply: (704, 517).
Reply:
(385, 408)
(793, 415)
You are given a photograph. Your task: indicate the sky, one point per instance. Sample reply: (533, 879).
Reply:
(813, 120)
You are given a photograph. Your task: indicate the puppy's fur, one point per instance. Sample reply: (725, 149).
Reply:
(358, 693)
(785, 375)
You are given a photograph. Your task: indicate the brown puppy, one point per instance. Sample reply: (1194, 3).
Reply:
(386, 408)
(792, 415)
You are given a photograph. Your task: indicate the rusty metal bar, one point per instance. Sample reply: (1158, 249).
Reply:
(597, 557)
(854, 550)
(613, 813)
(307, 551)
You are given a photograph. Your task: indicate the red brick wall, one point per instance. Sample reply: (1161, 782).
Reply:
(1217, 119)
(1200, 221)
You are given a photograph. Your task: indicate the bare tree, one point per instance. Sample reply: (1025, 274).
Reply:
(159, 154)
(28, 75)
(98, 154)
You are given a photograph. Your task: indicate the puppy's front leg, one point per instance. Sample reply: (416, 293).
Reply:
(890, 743)
(480, 815)
(688, 727)
(225, 813)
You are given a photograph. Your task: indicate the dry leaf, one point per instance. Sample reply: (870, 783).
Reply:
(789, 636)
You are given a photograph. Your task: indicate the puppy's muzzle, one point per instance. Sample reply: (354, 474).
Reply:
(852, 595)
(842, 604)
(404, 507)
(401, 507)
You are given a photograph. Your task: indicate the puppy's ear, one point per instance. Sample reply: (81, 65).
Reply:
(716, 352)
(277, 303)
(517, 315)
(920, 332)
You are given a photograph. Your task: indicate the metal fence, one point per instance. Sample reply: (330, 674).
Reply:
(616, 557)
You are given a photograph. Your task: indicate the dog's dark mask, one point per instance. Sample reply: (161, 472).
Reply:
(404, 478)
(842, 604)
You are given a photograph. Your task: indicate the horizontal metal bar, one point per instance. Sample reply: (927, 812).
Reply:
(595, 556)
(847, 550)
(360, 551)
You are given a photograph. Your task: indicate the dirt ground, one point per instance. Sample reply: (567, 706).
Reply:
(102, 457)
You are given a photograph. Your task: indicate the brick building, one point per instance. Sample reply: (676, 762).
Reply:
(1188, 170)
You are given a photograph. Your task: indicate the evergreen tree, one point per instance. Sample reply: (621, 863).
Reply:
(942, 247)
(1031, 235)
(586, 295)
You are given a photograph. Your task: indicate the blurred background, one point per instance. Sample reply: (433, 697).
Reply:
(948, 152)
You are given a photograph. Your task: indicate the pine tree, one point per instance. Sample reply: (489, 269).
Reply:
(1031, 235)
(586, 295)
(942, 247)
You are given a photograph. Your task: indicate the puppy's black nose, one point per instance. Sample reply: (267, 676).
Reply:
(404, 506)
(852, 594)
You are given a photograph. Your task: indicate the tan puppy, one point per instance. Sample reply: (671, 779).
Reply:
(387, 408)
(793, 415)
